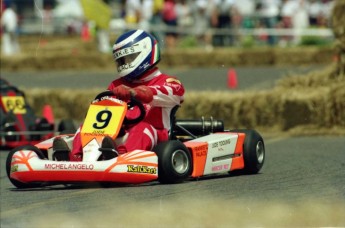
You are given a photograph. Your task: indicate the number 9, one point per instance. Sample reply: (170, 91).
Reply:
(102, 117)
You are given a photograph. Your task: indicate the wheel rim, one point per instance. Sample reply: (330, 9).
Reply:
(260, 151)
(179, 161)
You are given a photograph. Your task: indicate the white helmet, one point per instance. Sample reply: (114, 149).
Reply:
(135, 52)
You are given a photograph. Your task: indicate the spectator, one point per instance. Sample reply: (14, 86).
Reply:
(9, 26)
(103, 40)
(102, 33)
(139, 13)
(223, 20)
(157, 22)
(288, 9)
(202, 11)
(236, 24)
(132, 12)
(315, 11)
(300, 19)
(269, 12)
(170, 19)
(48, 20)
(245, 8)
(145, 14)
(327, 7)
(184, 14)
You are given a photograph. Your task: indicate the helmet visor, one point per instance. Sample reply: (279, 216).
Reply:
(127, 59)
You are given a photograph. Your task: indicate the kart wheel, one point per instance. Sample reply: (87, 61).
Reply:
(17, 183)
(253, 150)
(174, 162)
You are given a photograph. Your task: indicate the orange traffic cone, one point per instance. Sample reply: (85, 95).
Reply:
(85, 33)
(232, 79)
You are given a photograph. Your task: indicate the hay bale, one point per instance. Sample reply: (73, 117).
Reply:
(70, 53)
(336, 105)
(338, 26)
(65, 103)
(315, 101)
(280, 108)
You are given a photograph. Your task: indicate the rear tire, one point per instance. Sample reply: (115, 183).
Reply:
(17, 183)
(253, 151)
(174, 162)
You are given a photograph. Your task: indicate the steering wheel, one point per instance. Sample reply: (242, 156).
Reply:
(132, 103)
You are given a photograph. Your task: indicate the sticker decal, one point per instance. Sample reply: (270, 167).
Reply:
(169, 80)
(141, 169)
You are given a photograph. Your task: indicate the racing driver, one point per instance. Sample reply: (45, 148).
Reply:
(136, 54)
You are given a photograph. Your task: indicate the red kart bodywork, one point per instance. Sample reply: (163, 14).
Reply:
(19, 124)
(134, 167)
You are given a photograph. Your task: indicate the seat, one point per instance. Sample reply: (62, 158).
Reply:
(176, 128)
(171, 132)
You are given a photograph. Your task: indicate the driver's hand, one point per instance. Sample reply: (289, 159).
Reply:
(123, 92)
(142, 93)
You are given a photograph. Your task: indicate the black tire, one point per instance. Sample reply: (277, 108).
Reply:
(17, 183)
(67, 126)
(253, 151)
(174, 162)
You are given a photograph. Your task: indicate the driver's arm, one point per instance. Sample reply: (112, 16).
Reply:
(142, 93)
(168, 94)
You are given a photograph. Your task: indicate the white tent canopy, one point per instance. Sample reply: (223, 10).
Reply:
(68, 8)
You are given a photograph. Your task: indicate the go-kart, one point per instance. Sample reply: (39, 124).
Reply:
(195, 148)
(19, 124)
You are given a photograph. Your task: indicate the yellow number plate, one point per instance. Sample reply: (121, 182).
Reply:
(14, 103)
(103, 120)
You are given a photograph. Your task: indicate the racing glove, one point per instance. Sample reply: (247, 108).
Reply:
(141, 93)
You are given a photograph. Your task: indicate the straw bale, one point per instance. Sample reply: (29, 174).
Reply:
(338, 26)
(70, 53)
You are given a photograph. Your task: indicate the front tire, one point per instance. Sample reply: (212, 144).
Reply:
(253, 151)
(174, 162)
(17, 183)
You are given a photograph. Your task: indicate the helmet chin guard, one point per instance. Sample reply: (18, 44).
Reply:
(135, 52)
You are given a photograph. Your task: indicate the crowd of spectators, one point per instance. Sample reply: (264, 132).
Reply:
(218, 22)
(210, 23)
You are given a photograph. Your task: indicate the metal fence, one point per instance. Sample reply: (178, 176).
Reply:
(62, 26)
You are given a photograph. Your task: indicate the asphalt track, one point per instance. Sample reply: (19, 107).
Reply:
(193, 79)
(304, 173)
(302, 182)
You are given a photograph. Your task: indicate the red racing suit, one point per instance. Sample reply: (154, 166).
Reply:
(167, 93)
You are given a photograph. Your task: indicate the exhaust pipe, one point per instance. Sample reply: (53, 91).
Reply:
(198, 127)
